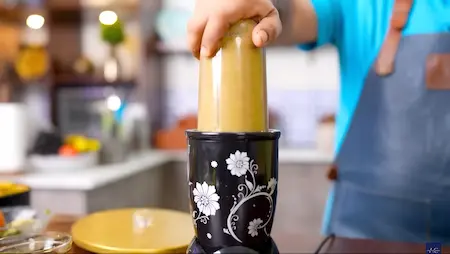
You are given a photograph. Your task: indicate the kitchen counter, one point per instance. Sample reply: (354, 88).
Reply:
(95, 177)
(92, 178)
(159, 179)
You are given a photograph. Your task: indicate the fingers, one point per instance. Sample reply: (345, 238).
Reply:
(211, 21)
(195, 28)
(214, 31)
(268, 29)
(204, 35)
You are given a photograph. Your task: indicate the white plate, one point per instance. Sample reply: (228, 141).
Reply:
(56, 163)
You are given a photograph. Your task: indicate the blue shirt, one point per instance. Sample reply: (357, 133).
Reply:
(358, 28)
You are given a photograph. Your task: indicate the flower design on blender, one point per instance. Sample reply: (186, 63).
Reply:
(207, 201)
(271, 184)
(238, 163)
(253, 227)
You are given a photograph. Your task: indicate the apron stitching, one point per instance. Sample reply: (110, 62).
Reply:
(381, 194)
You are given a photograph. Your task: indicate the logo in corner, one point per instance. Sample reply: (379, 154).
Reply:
(433, 248)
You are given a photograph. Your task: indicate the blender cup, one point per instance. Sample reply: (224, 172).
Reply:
(233, 155)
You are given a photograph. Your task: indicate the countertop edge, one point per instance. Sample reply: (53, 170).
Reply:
(92, 178)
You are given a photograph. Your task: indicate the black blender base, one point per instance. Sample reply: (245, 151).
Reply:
(196, 248)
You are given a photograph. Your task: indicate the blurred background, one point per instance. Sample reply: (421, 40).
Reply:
(95, 96)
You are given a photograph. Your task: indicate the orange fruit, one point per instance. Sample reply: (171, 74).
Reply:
(67, 150)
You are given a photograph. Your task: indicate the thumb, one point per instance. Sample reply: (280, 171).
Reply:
(267, 30)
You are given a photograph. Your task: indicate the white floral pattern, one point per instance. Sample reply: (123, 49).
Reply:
(238, 163)
(272, 183)
(207, 204)
(207, 201)
(253, 227)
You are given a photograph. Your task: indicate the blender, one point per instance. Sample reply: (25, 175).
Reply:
(233, 155)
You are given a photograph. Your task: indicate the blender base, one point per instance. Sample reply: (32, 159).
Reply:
(196, 248)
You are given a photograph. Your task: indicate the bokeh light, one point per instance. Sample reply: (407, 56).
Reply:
(108, 18)
(35, 21)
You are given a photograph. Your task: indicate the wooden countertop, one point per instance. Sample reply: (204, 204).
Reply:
(63, 223)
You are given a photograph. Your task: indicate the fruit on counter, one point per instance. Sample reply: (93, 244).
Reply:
(82, 144)
(67, 150)
(70, 139)
(94, 145)
(51, 143)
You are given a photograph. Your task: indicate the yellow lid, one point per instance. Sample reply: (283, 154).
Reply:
(10, 188)
(134, 231)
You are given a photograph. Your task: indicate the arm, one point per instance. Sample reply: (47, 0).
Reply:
(304, 21)
(311, 23)
(299, 21)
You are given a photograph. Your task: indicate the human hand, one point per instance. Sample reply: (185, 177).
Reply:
(212, 19)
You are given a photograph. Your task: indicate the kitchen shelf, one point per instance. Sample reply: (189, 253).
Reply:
(65, 11)
(181, 48)
(88, 81)
(13, 15)
(81, 5)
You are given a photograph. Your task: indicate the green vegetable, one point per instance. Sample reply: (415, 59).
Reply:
(9, 232)
(113, 34)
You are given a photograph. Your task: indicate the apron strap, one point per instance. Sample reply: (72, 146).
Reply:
(384, 64)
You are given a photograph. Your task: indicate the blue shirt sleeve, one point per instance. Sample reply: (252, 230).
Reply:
(329, 22)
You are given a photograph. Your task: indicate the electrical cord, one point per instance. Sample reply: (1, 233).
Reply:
(324, 241)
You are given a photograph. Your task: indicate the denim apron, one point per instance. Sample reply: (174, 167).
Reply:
(392, 174)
